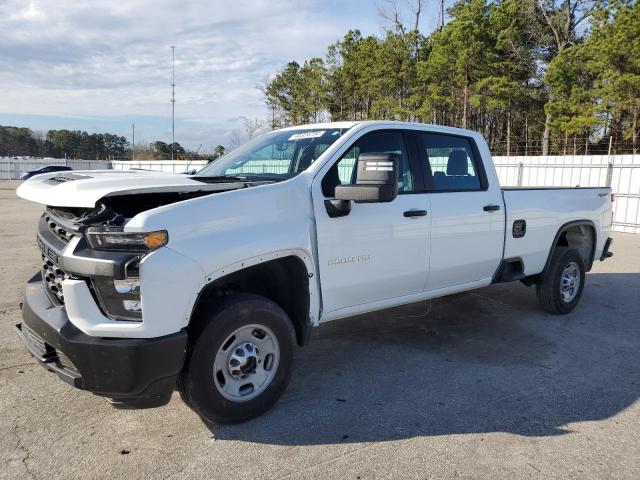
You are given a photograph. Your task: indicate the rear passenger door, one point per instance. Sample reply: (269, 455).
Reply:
(467, 217)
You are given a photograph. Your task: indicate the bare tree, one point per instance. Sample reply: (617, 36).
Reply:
(390, 14)
(391, 11)
(563, 18)
(235, 139)
(416, 9)
(252, 127)
(441, 12)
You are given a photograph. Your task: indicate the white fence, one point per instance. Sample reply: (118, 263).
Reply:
(12, 169)
(620, 172)
(160, 165)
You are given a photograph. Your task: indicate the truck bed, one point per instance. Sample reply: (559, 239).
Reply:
(546, 210)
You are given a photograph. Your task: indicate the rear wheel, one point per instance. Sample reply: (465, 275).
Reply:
(563, 282)
(239, 360)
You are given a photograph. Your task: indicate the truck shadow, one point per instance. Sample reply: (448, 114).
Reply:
(487, 361)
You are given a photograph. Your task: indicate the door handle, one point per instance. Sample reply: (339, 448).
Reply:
(491, 208)
(415, 213)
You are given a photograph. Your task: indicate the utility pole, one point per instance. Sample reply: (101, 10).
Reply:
(173, 100)
(133, 141)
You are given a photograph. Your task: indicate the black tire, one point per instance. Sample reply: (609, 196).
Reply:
(549, 291)
(196, 383)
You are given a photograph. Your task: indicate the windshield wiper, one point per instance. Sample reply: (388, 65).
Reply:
(234, 178)
(261, 177)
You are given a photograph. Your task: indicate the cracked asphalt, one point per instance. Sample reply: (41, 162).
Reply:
(482, 385)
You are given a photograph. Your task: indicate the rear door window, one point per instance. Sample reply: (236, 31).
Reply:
(450, 161)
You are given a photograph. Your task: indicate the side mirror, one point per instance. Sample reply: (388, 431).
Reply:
(376, 181)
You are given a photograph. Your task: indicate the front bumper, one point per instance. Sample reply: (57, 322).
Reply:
(132, 371)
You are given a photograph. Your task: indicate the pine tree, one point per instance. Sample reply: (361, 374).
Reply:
(614, 51)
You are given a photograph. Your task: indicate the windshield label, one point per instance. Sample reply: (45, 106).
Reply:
(305, 135)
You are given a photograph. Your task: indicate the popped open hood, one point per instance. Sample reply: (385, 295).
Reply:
(84, 188)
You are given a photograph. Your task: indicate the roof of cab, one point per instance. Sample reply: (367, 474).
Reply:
(391, 123)
(320, 125)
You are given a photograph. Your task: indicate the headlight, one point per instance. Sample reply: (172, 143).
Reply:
(133, 306)
(130, 285)
(115, 238)
(119, 299)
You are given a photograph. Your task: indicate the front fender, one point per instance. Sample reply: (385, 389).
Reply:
(229, 231)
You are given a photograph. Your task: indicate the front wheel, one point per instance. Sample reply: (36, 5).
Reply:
(563, 282)
(239, 360)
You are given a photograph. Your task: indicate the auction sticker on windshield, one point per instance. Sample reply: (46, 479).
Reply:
(304, 135)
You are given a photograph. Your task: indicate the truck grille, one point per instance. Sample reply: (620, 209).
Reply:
(52, 277)
(57, 230)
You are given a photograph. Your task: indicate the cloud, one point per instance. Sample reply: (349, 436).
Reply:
(111, 59)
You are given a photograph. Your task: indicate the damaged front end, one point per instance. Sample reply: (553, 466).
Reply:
(84, 314)
(91, 244)
(90, 280)
(67, 254)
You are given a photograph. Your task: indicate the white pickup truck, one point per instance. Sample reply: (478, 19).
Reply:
(206, 282)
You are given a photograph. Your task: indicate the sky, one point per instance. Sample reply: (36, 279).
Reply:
(101, 65)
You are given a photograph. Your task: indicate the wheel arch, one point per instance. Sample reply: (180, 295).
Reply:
(285, 277)
(567, 236)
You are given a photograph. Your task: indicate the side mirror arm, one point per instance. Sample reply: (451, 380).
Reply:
(337, 208)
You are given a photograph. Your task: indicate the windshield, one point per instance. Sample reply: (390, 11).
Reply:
(274, 156)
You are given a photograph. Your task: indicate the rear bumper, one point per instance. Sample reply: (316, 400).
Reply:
(134, 372)
(605, 251)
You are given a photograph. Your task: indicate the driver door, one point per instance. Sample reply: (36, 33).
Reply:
(379, 251)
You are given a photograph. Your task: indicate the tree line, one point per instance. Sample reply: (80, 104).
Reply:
(538, 74)
(19, 141)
